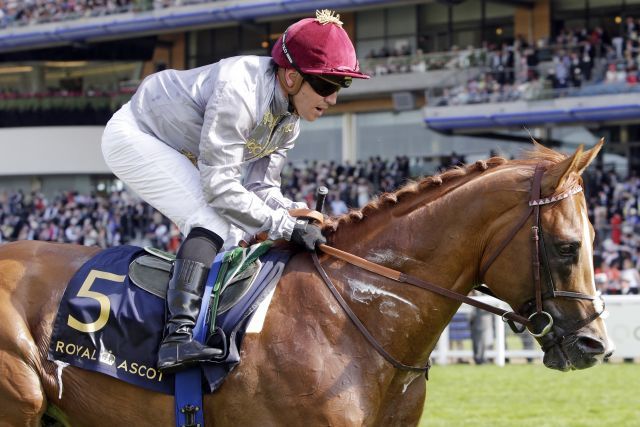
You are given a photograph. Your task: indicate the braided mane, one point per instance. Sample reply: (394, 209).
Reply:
(536, 155)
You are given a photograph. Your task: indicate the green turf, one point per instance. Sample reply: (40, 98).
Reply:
(532, 395)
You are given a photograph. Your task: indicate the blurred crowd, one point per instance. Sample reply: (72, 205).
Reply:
(29, 12)
(84, 219)
(614, 206)
(577, 62)
(121, 218)
(350, 185)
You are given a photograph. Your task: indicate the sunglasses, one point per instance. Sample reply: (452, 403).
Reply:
(324, 86)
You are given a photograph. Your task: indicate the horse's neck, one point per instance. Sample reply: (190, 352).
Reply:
(437, 242)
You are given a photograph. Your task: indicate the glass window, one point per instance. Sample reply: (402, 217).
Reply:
(600, 3)
(226, 42)
(370, 24)
(401, 21)
(500, 10)
(466, 38)
(370, 48)
(254, 39)
(434, 13)
(469, 10)
(572, 4)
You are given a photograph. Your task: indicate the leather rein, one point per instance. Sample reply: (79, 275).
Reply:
(510, 317)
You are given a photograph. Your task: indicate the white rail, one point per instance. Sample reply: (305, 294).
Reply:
(623, 325)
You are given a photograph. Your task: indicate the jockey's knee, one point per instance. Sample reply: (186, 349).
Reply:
(200, 245)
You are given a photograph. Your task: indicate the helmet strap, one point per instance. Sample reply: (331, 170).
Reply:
(290, 89)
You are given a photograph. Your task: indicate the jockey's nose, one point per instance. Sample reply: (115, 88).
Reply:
(332, 99)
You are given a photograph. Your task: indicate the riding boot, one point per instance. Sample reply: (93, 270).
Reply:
(184, 298)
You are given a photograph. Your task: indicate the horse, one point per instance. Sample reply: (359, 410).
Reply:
(464, 227)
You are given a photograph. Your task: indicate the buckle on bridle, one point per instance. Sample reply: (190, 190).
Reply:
(512, 324)
(547, 327)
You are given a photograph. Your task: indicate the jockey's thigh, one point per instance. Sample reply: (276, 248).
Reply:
(160, 175)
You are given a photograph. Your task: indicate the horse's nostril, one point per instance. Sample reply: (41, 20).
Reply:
(591, 345)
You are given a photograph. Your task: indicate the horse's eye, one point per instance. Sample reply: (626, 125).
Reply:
(568, 249)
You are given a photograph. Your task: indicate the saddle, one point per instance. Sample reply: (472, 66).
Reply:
(151, 272)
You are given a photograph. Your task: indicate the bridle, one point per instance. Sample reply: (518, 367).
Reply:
(539, 323)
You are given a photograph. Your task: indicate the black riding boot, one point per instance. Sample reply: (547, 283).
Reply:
(184, 297)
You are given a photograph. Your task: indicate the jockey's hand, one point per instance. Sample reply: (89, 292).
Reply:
(306, 235)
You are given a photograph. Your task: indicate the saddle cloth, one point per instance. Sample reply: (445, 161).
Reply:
(108, 324)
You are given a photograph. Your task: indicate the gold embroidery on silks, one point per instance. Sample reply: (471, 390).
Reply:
(270, 120)
(189, 155)
(253, 147)
(266, 137)
(288, 128)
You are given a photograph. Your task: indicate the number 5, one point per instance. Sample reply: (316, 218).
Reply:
(103, 300)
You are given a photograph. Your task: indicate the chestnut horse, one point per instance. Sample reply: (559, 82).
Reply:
(310, 365)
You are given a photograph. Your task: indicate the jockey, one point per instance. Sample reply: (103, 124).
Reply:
(206, 147)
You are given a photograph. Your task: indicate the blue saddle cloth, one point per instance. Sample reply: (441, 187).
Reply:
(107, 324)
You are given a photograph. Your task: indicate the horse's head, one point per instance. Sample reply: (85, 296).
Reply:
(541, 262)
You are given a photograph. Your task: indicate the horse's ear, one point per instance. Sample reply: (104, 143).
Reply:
(588, 156)
(557, 174)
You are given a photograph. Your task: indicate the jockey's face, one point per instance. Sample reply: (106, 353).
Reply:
(308, 104)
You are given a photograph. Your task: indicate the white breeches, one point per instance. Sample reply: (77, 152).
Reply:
(160, 175)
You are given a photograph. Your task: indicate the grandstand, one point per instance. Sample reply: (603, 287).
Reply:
(468, 77)
(539, 68)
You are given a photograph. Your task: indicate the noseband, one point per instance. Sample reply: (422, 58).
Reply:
(541, 322)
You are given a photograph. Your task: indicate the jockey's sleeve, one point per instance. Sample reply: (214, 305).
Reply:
(229, 116)
(263, 177)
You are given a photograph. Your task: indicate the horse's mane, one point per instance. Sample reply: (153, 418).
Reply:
(533, 156)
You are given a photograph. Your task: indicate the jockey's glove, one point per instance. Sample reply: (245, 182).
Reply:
(306, 235)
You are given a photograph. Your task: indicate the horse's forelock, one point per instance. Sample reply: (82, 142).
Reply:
(540, 153)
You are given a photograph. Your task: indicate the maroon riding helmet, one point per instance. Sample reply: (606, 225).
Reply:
(319, 45)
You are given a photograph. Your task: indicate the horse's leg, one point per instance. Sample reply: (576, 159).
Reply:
(21, 393)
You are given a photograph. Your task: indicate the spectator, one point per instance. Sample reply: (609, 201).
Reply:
(481, 326)
(629, 277)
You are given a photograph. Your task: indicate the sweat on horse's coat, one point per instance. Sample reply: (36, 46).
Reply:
(309, 363)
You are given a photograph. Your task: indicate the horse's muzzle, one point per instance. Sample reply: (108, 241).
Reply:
(577, 351)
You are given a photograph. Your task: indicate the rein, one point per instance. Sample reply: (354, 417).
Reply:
(510, 317)
(401, 278)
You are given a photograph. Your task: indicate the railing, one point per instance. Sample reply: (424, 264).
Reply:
(62, 100)
(534, 90)
(423, 62)
(623, 326)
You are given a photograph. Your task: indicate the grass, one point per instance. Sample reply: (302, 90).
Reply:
(532, 395)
